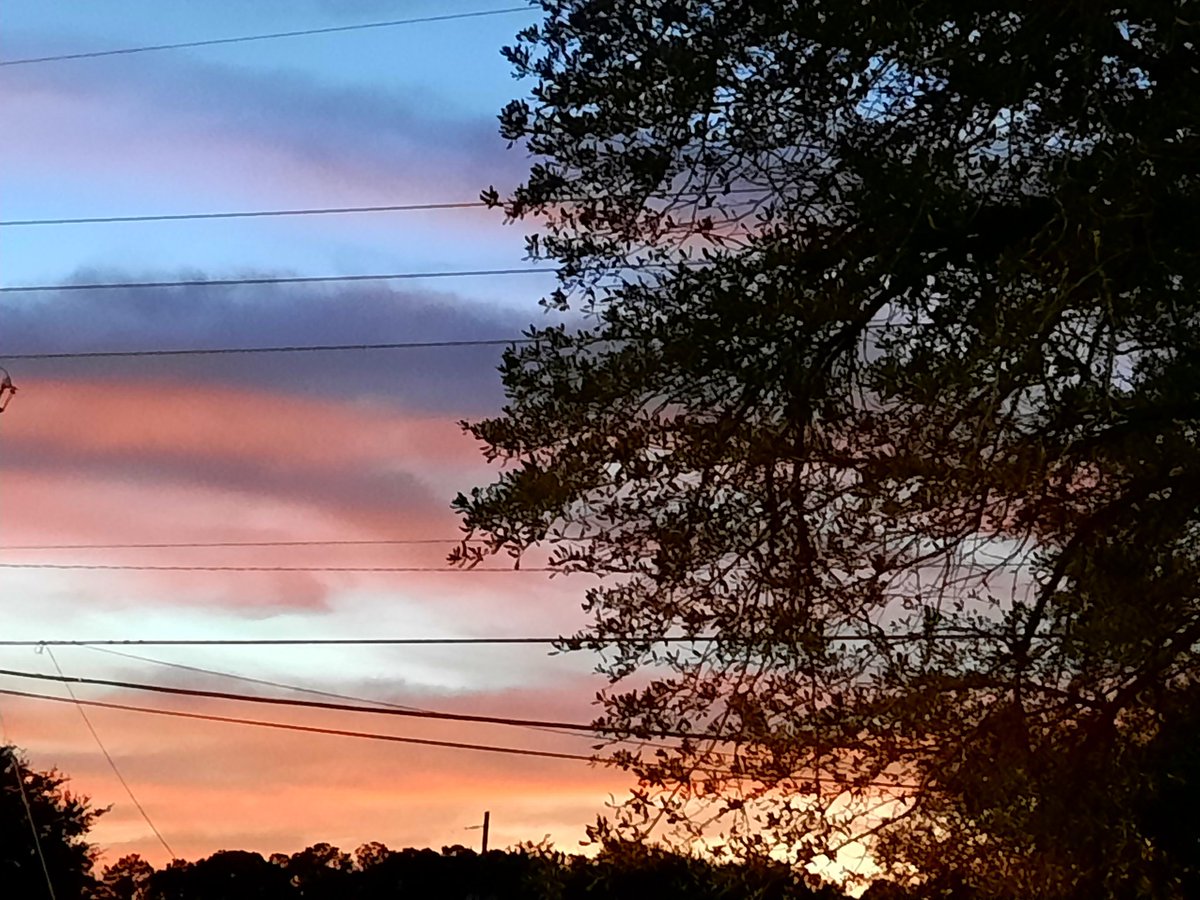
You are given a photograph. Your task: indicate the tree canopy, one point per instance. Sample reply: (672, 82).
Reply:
(322, 872)
(31, 800)
(881, 380)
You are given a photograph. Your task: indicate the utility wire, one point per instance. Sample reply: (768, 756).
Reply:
(288, 348)
(376, 569)
(304, 704)
(191, 545)
(589, 736)
(272, 279)
(330, 210)
(247, 214)
(66, 682)
(250, 680)
(328, 279)
(643, 744)
(310, 729)
(364, 735)
(37, 840)
(234, 676)
(1007, 565)
(292, 642)
(895, 637)
(271, 36)
(1002, 565)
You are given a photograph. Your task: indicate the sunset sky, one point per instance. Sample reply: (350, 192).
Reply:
(282, 447)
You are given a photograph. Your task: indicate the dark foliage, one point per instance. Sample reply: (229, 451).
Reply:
(228, 875)
(618, 873)
(126, 879)
(62, 820)
(890, 330)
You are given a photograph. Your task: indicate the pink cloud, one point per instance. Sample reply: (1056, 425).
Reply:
(58, 506)
(124, 461)
(368, 466)
(134, 418)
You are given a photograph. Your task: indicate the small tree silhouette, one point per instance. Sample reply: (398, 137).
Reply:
(39, 801)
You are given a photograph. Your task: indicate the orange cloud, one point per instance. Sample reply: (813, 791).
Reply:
(269, 456)
(210, 786)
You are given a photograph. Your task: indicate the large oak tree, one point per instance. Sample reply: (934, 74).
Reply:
(883, 384)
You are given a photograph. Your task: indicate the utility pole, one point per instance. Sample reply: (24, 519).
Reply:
(487, 820)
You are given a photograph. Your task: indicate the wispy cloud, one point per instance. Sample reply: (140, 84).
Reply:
(173, 118)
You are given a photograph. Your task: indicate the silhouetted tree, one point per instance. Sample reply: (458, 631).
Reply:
(628, 869)
(319, 872)
(371, 854)
(405, 873)
(619, 872)
(62, 820)
(455, 872)
(126, 879)
(226, 875)
(889, 382)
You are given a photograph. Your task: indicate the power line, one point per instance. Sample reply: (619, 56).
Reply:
(191, 545)
(242, 39)
(272, 279)
(391, 709)
(895, 637)
(234, 676)
(102, 567)
(311, 729)
(585, 732)
(326, 279)
(248, 214)
(289, 348)
(286, 348)
(307, 704)
(293, 642)
(369, 735)
(266, 682)
(331, 210)
(112, 763)
(1012, 565)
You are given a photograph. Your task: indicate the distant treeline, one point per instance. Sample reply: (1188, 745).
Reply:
(373, 872)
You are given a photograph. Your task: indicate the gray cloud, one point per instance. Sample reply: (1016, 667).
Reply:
(365, 491)
(458, 381)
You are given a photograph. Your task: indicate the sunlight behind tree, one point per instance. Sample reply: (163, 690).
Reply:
(887, 392)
